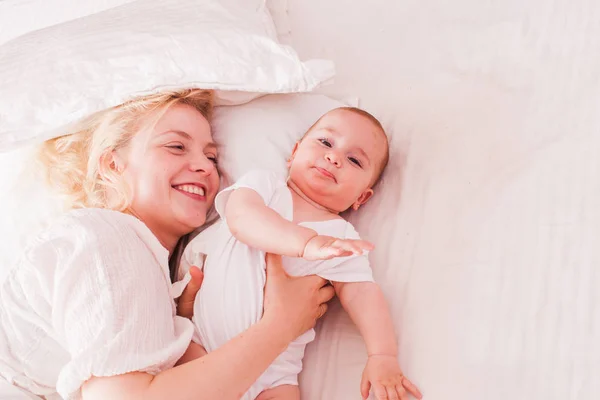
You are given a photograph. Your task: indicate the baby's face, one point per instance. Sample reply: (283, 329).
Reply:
(337, 162)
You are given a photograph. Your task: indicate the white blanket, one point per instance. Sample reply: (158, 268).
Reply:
(488, 220)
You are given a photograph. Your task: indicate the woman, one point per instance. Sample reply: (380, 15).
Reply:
(89, 312)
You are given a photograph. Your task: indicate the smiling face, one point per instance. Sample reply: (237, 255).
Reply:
(337, 162)
(171, 173)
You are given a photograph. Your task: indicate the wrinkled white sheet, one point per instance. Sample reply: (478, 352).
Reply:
(488, 220)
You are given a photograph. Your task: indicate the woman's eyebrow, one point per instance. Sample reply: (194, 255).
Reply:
(180, 133)
(210, 145)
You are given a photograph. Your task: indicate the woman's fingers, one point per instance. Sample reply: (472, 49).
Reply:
(274, 266)
(294, 303)
(197, 277)
(185, 304)
(326, 293)
(321, 311)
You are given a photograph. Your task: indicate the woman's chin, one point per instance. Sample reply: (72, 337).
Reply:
(192, 220)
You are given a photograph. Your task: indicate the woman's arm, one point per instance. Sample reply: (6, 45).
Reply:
(224, 374)
(292, 306)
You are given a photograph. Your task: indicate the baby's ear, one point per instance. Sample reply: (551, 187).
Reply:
(363, 198)
(289, 161)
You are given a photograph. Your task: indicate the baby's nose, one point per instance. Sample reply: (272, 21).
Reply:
(333, 158)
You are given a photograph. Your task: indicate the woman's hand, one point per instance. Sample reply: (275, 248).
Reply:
(185, 305)
(293, 304)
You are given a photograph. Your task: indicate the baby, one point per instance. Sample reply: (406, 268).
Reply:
(331, 169)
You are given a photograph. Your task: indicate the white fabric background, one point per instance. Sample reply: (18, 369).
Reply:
(488, 219)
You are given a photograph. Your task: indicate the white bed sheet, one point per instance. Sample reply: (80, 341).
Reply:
(488, 218)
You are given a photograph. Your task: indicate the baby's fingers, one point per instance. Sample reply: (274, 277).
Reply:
(360, 245)
(353, 246)
(394, 394)
(365, 245)
(332, 251)
(408, 385)
(381, 392)
(401, 393)
(365, 387)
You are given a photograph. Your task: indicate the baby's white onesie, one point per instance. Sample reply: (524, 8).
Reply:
(231, 297)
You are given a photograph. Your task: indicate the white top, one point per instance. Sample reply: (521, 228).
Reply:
(91, 296)
(276, 195)
(231, 297)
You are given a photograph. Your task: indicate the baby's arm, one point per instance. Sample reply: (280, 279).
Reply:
(367, 307)
(252, 222)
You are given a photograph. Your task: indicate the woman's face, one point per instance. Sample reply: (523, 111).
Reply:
(172, 173)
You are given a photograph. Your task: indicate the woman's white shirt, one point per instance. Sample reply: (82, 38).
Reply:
(91, 296)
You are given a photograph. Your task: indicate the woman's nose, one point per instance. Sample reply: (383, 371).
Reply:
(202, 164)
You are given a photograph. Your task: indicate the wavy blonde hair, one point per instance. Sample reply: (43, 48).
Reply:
(77, 165)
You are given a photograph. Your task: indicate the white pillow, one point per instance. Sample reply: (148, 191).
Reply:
(18, 17)
(261, 133)
(60, 74)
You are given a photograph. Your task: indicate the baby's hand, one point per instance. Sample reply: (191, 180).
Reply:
(323, 247)
(383, 374)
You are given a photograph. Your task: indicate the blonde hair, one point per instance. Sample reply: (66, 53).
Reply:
(76, 164)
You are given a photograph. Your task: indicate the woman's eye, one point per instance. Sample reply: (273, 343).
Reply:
(325, 142)
(176, 147)
(355, 161)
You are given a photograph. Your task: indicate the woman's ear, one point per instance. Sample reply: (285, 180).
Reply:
(362, 199)
(118, 161)
(289, 161)
(111, 161)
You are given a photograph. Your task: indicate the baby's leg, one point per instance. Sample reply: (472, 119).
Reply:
(283, 392)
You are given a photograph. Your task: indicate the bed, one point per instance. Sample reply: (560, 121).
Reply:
(488, 224)
(487, 218)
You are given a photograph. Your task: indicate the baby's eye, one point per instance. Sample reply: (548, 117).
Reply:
(355, 161)
(325, 142)
(213, 159)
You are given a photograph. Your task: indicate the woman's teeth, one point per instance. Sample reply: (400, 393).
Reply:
(191, 189)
